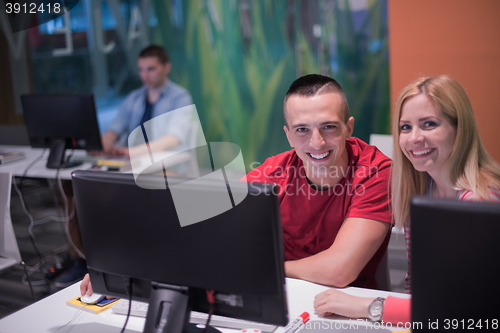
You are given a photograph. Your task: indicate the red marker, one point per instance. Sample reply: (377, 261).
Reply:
(297, 323)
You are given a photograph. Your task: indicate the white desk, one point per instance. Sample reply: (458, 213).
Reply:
(52, 313)
(39, 170)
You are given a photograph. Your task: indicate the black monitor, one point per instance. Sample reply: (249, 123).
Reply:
(454, 257)
(133, 240)
(59, 122)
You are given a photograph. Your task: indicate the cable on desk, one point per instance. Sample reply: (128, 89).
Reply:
(78, 313)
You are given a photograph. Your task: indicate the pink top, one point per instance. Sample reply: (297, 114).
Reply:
(397, 310)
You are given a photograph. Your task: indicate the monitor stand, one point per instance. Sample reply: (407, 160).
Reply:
(56, 156)
(169, 311)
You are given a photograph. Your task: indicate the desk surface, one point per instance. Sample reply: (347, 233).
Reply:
(39, 170)
(53, 315)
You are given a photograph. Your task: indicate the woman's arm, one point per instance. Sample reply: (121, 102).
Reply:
(333, 301)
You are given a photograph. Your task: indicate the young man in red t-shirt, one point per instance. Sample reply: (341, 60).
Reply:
(333, 189)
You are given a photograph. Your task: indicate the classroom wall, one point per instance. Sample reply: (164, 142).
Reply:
(454, 37)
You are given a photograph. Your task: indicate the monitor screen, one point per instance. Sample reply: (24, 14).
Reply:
(133, 239)
(454, 253)
(59, 122)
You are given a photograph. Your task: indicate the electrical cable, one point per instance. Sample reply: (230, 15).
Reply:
(76, 315)
(47, 219)
(28, 213)
(25, 207)
(64, 199)
(129, 304)
(31, 271)
(31, 286)
(26, 277)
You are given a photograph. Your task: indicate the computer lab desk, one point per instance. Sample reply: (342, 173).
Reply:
(38, 170)
(53, 315)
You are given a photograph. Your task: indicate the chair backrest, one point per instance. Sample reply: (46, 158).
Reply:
(383, 275)
(9, 251)
(383, 142)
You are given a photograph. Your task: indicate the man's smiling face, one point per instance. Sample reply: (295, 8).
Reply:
(317, 131)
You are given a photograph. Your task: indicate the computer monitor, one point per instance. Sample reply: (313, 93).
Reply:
(454, 257)
(59, 122)
(132, 237)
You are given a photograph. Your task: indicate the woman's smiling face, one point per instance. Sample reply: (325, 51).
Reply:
(426, 136)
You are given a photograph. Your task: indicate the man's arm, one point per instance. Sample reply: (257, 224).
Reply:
(120, 123)
(171, 129)
(108, 141)
(356, 243)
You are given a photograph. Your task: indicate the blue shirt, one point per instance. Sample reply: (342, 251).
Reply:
(172, 97)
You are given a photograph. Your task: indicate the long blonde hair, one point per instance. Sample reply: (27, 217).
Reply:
(469, 166)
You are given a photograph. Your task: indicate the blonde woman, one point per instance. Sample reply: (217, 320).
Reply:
(437, 152)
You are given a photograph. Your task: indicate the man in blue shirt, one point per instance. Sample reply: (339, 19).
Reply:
(157, 96)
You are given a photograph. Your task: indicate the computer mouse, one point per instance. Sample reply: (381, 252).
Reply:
(92, 299)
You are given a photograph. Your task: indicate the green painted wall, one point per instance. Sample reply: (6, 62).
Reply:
(238, 58)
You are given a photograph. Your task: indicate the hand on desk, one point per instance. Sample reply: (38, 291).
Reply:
(86, 287)
(114, 151)
(333, 301)
(120, 151)
(166, 142)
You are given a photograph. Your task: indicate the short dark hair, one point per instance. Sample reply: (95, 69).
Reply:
(314, 84)
(155, 51)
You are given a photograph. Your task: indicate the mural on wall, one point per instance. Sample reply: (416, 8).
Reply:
(236, 57)
(239, 57)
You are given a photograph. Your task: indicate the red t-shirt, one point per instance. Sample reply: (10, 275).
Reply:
(312, 218)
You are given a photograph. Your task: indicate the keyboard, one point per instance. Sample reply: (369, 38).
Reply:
(140, 309)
